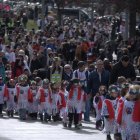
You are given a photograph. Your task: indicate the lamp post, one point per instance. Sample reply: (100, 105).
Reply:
(43, 14)
(92, 9)
(126, 24)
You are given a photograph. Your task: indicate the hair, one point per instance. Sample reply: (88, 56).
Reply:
(81, 64)
(124, 92)
(63, 84)
(125, 58)
(121, 80)
(136, 87)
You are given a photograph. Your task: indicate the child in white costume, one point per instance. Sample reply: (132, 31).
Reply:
(24, 96)
(75, 103)
(33, 107)
(45, 101)
(108, 111)
(124, 87)
(55, 96)
(128, 116)
(10, 92)
(97, 103)
(62, 100)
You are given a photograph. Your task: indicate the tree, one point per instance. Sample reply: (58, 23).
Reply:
(133, 7)
(67, 3)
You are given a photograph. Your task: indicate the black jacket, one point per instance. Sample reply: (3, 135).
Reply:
(119, 70)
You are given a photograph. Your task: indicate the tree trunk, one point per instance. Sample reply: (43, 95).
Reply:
(59, 16)
(132, 23)
(132, 19)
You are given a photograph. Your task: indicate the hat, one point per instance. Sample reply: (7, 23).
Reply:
(75, 80)
(134, 90)
(125, 85)
(45, 81)
(38, 79)
(23, 78)
(81, 63)
(33, 82)
(113, 88)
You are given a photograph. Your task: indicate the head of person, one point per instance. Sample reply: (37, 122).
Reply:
(45, 83)
(22, 80)
(125, 60)
(81, 66)
(113, 91)
(34, 54)
(33, 85)
(56, 61)
(75, 82)
(121, 80)
(124, 89)
(106, 62)
(99, 65)
(26, 72)
(91, 67)
(67, 68)
(38, 81)
(63, 85)
(21, 53)
(49, 50)
(102, 90)
(7, 48)
(12, 82)
(55, 87)
(133, 93)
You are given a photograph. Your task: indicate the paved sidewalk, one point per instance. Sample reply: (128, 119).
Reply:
(14, 129)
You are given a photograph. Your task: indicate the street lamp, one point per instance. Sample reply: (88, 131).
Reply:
(42, 14)
(92, 9)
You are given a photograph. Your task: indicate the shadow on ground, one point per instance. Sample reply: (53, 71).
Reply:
(4, 138)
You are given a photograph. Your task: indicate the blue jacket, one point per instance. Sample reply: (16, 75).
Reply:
(94, 82)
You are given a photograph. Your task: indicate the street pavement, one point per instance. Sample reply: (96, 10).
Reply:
(14, 129)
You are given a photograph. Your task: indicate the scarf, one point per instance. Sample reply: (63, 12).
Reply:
(72, 91)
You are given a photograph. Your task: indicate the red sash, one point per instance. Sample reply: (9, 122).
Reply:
(30, 95)
(136, 112)
(71, 93)
(100, 103)
(6, 92)
(42, 97)
(120, 112)
(110, 109)
(63, 102)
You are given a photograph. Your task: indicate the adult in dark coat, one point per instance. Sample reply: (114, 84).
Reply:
(35, 63)
(98, 77)
(123, 68)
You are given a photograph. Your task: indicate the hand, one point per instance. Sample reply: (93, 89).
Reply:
(88, 96)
